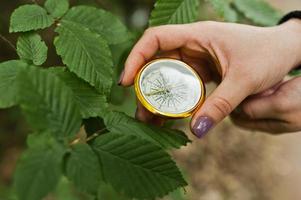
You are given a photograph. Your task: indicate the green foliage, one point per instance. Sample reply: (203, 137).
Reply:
(39, 170)
(8, 87)
(259, 11)
(106, 191)
(116, 153)
(174, 12)
(50, 106)
(83, 168)
(57, 8)
(90, 102)
(31, 47)
(295, 73)
(28, 18)
(166, 138)
(223, 8)
(64, 191)
(100, 22)
(126, 158)
(86, 54)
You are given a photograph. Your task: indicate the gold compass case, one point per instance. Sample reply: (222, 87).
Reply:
(167, 81)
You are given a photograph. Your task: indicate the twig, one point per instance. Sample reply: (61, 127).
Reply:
(95, 134)
(8, 42)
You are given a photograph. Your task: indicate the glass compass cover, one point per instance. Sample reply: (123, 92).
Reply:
(170, 86)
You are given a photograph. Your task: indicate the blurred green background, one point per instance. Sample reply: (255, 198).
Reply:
(228, 164)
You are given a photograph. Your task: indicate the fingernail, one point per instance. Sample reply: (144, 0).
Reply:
(121, 78)
(202, 125)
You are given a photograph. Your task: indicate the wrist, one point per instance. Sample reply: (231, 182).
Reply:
(291, 31)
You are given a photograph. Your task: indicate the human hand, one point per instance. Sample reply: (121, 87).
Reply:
(245, 59)
(277, 110)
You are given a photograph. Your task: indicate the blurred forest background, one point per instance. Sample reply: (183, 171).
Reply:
(229, 163)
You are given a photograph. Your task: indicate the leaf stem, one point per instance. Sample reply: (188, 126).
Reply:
(8, 42)
(95, 135)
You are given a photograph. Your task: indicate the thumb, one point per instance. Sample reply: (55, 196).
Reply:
(220, 104)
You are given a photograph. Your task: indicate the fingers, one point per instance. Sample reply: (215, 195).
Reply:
(142, 114)
(270, 91)
(260, 107)
(220, 104)
(164, 38)
(175, 54)
(274, 103)
(265, 125)
(275, 113)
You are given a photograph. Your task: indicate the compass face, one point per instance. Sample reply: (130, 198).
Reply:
(170, 86)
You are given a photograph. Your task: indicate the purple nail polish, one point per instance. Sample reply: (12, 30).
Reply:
(202, 125)
(121, 78)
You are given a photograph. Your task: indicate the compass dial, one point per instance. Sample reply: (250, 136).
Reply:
(170, 87)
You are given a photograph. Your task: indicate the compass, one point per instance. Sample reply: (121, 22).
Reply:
(169, 88)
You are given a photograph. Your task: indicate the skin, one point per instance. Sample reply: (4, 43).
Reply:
(248, 63)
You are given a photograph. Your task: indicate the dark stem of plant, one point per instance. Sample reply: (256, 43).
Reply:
(8, 42)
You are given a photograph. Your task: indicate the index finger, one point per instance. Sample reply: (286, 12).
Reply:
(161, 38)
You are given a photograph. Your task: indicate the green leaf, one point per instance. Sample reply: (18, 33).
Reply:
(174, 12)
(259, 11)
(83, 168)
(31, 47)
(166, 138)
(90, 102)
(86, 54)
(48, 103)
(295, 73)
(106, 191)
(57, 8)
(65, 191)
(39, 171)
(223, 9)
(100, 21)
(8, 88)
(39, 139)
(28, 18)
(136, 167)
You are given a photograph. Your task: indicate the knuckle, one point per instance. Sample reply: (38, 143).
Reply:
(150, 31)
(281, 105)
(248, 110)
(222, 106)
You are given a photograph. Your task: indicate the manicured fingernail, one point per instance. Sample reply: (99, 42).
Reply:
(202, 125)
(121, 78)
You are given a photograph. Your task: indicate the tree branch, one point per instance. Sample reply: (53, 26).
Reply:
(8, 42)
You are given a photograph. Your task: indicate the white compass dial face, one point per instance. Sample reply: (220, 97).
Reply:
(170, 86)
